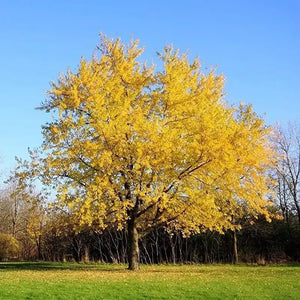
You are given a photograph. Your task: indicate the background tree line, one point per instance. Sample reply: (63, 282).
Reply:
(30, 229)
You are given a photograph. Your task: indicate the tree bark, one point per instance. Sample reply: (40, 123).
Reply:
(38, 242)
(133, 245)
(235, 250)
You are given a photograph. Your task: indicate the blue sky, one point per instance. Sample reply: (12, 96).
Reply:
(254, 43)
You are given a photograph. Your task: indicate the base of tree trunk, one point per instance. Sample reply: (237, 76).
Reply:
(133, 246)
(235, 249)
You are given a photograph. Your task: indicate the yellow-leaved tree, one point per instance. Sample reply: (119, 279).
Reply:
(137, 148)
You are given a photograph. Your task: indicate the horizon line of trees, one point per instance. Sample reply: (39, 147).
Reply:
(56, 239)
(30, 230)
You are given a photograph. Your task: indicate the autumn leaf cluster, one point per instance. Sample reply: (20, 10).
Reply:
(162, 146)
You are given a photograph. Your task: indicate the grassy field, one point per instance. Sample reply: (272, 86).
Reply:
(94, 281)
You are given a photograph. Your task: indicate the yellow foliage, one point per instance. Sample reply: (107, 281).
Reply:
(160, 147)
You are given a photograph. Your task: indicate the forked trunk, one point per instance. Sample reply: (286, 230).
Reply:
(133, 245)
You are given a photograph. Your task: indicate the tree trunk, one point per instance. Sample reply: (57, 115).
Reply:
(133, 245)
(38, 241)
(235, 250)
(296, 203)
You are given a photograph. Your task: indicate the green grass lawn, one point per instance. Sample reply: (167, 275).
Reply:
(101, 281)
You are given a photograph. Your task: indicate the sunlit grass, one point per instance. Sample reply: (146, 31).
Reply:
(97, 281)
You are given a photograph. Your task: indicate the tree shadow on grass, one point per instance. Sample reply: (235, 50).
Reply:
(52, 266)
(95, 267)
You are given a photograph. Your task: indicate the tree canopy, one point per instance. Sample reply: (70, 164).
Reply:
(139, 147)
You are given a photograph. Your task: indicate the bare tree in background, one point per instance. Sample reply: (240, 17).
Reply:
(288, 170)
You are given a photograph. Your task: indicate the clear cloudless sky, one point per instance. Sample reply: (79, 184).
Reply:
(255, 43)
